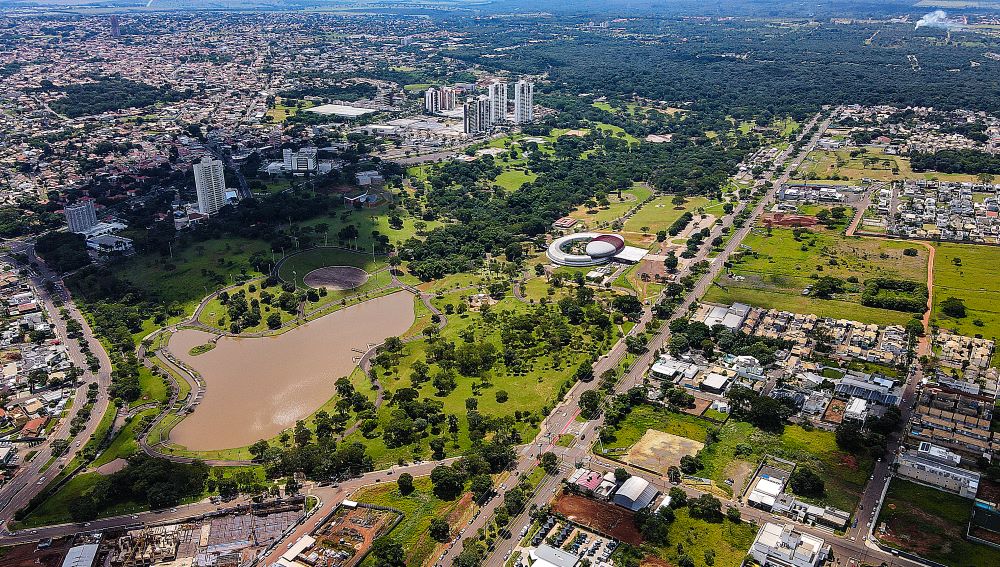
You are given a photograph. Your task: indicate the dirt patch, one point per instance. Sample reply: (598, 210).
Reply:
(352, 531)
(601, 517)
(111, 467)
(28, 555)
(336, 277)
(835, 411)
(650, 561)
(658, 451)
(920, 532)
(700, 405)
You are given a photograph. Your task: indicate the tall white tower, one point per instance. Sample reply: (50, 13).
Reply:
(498, 102)
(524, 101)
(210, 182)
(81, 216)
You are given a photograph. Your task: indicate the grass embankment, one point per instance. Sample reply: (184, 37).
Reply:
(932, 524)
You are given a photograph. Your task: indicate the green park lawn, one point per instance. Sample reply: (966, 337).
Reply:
(216, 315)
(973, 280)
(660, 213)
(931, 523)
(418, 508)
(778, 267)
(513, 179)
(528, 391)
(193, 272)
(124, 443)
(618, 132)
(598, 215)
(295, 267)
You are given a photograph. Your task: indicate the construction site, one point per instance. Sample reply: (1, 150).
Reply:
(221, 541)
(347, 535)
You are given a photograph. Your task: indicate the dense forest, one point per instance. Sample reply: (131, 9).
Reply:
(748, 66)
(107, 94)
(956, 161)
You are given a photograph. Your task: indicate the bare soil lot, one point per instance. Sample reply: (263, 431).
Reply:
(658, 451)
(601, 517)
(336, 277)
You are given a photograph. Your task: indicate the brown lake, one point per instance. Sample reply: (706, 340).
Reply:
(258, 387)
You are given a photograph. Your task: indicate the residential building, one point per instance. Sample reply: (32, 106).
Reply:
(524, 101)
(923, 468)
(81, 216)
(432, 100)
(300, 161)
(437, 99)
(782, 546)
(477, 115)
(210, 183)
(857, 411)
(498, 102)
(955, 420)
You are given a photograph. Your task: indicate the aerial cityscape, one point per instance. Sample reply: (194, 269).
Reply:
(387, 283)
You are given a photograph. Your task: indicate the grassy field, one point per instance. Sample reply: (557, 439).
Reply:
(215, 313)
(932, 524)
(513, 179)
(973, 280)
(660, 213)
(597, 215)
(797, 304)
(281, 112)
(617, 131)
(419, 508)
(695, 538)
(193, 272)
(778, 267)
(879, 166)
(741, 446)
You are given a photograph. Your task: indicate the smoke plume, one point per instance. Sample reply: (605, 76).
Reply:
(937, 19)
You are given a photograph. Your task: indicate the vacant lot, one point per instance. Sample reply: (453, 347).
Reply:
(726, 541)
(872, 164)
(602, 517)
(777, 267)
(660, 213)
(932, 524)
(419, 508)
(968, 272)
(740, 446)
(658, 451)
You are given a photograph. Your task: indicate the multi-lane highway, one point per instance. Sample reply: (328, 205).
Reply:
(29, 479)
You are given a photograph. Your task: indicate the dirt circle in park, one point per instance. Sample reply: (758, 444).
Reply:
(336, 277)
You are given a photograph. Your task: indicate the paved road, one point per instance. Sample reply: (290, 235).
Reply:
(28, 481)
